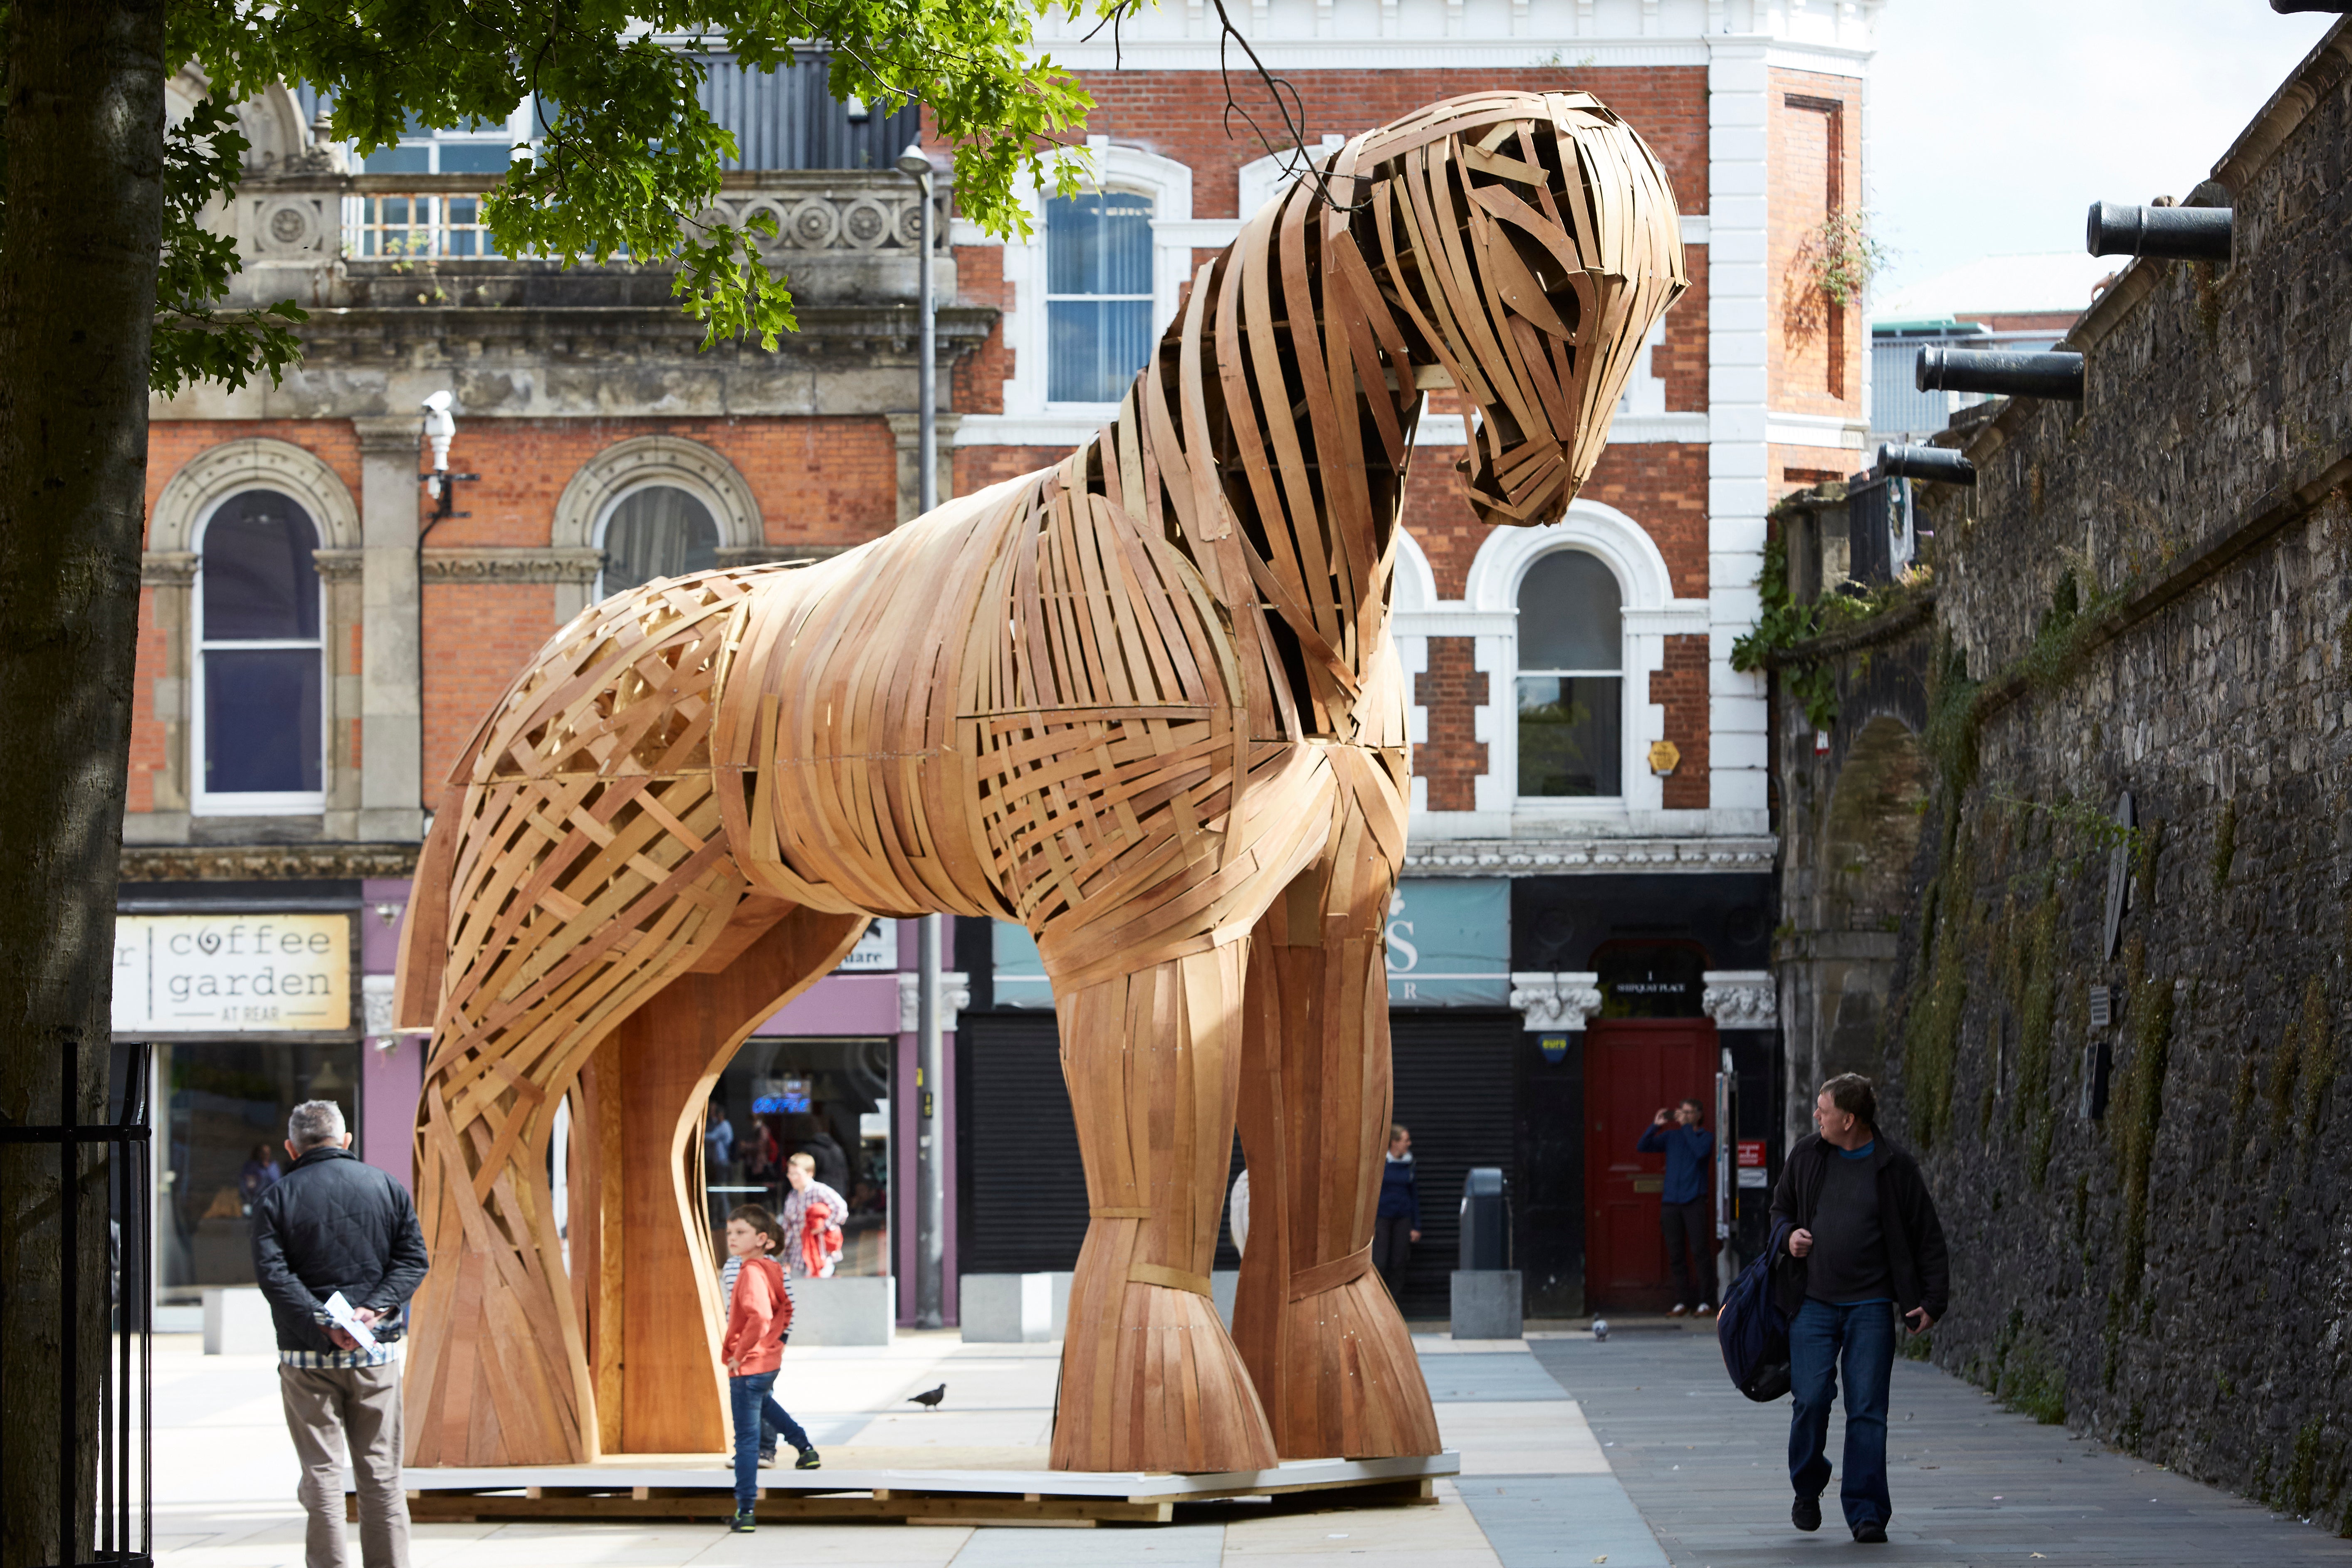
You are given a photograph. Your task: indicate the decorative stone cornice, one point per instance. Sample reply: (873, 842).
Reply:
(489, 565)
(955, 996)
(774, 554)
(1540, 857)
(1555, 1000)
(830, 210)
(339, 565)
(1740, 998)
(266, 862)
(470, 338)
(389, 435)
(167, 569)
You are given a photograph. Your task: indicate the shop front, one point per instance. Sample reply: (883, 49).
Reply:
(249, 1000)
(834, 1076)
(1634, 993)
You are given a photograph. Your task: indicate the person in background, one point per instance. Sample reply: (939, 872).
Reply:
(1684, 1212)
(717, 1138)
(260, 1172)
(332, 1225)
(810, 1136)
(1397, 1225)
(813, 1216)
(1865, 1246)
(759, 1317)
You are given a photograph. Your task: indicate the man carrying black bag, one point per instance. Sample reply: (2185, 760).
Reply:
(1863, 1244)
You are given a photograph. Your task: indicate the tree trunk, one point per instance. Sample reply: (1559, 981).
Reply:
(84, 141)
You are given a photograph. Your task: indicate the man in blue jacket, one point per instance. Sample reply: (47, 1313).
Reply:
(1683, 1209)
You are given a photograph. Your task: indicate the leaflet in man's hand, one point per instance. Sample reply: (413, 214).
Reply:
(348, 1319)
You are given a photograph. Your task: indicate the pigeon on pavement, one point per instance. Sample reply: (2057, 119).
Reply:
(930, 1400)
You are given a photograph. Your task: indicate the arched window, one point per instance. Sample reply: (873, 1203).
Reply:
(1571, 686)
(261, 711)
(1098, 291)
(658, 531)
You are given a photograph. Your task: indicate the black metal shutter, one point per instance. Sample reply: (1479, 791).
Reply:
(1021, 1194)
(1020, 1191)
(1454, 1090)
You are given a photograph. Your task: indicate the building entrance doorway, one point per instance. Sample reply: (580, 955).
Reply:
(1632, 1068)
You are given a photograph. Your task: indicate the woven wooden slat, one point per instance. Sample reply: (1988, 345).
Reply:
(1145, 702)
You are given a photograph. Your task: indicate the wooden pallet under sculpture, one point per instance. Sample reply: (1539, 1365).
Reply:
(1146, 703)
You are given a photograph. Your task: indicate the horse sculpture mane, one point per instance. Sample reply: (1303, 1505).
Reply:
(1144, 702)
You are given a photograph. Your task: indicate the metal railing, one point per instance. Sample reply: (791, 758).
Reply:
(105, 1491)
(1898, 409)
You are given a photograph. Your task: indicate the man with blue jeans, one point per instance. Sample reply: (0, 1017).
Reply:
(1865, 1243)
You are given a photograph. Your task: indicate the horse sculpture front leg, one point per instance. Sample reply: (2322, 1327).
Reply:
(1326, 1345)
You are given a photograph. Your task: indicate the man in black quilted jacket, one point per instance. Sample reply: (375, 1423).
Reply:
(334, 1226)
(1864, 1246)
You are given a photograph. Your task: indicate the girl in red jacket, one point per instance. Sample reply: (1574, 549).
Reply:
(758, 1319)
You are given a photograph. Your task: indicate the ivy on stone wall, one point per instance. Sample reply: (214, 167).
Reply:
(1784, 627)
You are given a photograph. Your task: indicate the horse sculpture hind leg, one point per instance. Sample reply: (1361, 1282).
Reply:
(578, 900)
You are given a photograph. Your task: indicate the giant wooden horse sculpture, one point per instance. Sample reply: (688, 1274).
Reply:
(1144, 702)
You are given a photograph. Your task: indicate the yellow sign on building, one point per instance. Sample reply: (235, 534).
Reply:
(186, 974)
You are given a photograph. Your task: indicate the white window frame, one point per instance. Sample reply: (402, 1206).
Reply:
(636, 463)
(1626, 716)
(1051, 299)
(1650, 615)
(206, 801)
(520, 130)
(649, 482)
(1029, 417)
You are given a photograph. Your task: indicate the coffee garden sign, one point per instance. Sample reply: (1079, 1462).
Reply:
(180, 974)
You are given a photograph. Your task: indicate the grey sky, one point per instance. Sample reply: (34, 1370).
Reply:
(1995, 123)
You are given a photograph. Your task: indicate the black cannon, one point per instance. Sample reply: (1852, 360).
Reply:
(2178, 234)
(1940, 463)
(2056, 376)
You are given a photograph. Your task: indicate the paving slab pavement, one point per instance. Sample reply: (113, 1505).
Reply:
(1973, 1483)
(1536, 1489)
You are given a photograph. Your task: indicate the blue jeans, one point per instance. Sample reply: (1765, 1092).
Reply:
(754, 1409)
(1864, 1336)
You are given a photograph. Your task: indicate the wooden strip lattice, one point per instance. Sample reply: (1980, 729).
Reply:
(1146, 703)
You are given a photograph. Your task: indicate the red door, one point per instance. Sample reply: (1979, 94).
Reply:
(1633, 1067)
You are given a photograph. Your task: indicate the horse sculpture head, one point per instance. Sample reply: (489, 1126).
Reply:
(1526, 244)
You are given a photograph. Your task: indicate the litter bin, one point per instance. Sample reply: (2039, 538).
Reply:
(1485, 1220)
(1487, 1301)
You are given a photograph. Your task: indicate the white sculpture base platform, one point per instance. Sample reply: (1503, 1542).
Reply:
(978, 1485)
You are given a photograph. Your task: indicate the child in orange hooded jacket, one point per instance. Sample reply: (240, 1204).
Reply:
(759, 1316)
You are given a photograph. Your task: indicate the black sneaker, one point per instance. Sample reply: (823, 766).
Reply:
(808, 1460)
(1870, 1532)
(744, 1523)
(767, 1458)
(1806, 1513)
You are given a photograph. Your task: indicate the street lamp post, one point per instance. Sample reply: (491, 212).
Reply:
(930, 1196)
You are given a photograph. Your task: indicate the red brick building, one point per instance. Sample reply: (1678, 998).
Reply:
(1588, 906)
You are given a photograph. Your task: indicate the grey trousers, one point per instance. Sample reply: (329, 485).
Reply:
(325, 1409)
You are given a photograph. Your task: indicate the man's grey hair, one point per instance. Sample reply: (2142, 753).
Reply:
(313, 1123)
